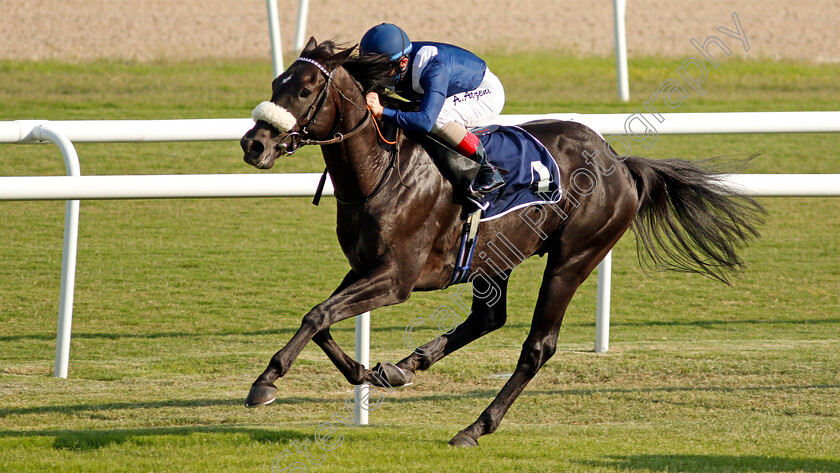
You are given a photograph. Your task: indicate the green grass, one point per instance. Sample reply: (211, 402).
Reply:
(180, 303)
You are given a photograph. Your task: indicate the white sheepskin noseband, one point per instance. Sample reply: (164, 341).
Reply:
(274, 115)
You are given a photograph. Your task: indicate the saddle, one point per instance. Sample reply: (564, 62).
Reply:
(533, 178)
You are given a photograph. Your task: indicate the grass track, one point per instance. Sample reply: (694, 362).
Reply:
(179, 304)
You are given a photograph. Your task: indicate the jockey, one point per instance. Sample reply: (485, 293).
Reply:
(455, 88)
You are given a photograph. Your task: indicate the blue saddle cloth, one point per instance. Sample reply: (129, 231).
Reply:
(534, 177)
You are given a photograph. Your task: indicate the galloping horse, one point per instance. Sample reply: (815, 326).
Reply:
(399, 225)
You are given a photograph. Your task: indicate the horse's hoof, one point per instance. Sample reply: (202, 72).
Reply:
(463, 440)
(393, 375)
(261, 395)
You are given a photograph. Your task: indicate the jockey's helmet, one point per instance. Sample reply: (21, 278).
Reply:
(386, 39)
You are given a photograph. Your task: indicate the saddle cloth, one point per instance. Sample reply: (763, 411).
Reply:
(533, 178)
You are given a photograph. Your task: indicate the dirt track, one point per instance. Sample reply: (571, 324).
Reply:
(149, 29)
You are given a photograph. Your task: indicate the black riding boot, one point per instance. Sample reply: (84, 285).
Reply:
(488, 178)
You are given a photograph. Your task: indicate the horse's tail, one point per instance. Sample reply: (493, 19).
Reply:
(688, 220)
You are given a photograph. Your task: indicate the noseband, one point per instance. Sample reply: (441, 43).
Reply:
(283, 121)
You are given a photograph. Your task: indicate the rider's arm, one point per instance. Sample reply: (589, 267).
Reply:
(435, 82)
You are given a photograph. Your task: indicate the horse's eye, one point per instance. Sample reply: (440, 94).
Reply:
(305, 93)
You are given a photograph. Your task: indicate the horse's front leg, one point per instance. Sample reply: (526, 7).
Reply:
(353, 371)
(356, 295)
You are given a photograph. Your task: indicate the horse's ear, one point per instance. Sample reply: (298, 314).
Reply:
(338, 59)
(310, 45)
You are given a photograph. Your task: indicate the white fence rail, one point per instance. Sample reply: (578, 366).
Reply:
(228, 129)
(76, 187)
(160, 186)
(188, 186)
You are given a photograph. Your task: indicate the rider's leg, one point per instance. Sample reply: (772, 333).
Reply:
(473, 108)
(456, 135)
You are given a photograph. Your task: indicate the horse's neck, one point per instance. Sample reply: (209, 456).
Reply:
(357, 163)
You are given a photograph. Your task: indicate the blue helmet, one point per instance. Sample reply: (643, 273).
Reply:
(386, 39)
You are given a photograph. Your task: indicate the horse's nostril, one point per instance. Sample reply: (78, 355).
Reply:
(255, 148)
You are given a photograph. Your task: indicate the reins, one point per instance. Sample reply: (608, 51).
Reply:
(338, 137)
(379, 186)
(378, 132)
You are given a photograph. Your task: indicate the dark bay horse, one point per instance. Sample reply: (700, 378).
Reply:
(399, 226)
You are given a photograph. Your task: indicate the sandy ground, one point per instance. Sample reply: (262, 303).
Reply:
(151, 29)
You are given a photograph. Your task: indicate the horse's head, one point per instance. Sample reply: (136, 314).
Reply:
(300, 106)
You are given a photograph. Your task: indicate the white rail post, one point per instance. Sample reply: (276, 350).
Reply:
(68, 257)
(602, 307)
(300, 31)
(620, 9)
(274, 34)
(362, 392)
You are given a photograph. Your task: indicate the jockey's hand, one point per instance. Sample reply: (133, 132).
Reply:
(372, 99)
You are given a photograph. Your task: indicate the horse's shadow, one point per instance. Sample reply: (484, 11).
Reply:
(696, 463)
(181, 403)
(179, 334)
(406, 398)
(91, 439)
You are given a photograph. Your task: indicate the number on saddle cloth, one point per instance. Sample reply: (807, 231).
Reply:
(533, 176)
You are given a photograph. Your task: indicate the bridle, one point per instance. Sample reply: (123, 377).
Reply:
(296, 139)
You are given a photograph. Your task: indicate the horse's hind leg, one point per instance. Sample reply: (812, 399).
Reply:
(489, 313)
(569, 263)
(559, 285)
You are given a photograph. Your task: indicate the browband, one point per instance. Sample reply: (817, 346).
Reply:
(316, 63)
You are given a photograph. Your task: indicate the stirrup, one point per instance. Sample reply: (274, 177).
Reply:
(488, 179)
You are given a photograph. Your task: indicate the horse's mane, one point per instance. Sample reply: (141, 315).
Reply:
(372, 71)
(323, 50)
